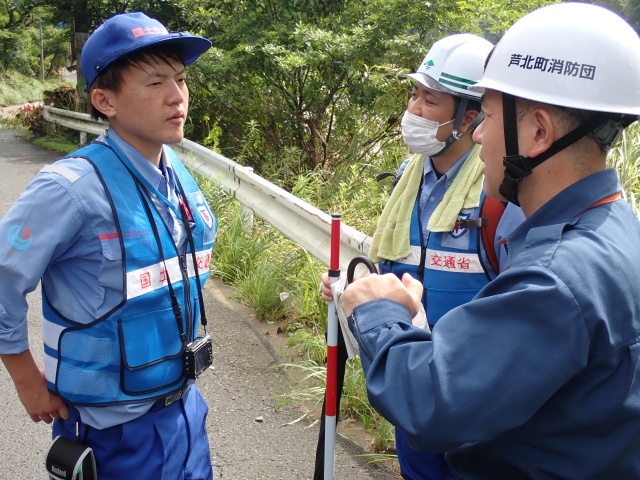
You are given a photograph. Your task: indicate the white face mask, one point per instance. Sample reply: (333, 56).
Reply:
(420, 134)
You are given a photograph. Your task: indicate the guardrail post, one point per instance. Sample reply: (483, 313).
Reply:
(247, 212)
(83, 138)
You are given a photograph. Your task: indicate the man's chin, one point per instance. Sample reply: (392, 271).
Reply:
(173, 139)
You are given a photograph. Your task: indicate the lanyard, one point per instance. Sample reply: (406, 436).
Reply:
(177, 311)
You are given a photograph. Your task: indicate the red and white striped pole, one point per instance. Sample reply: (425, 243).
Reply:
(331, 391)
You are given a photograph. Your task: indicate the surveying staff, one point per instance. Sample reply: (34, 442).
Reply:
(122, 266)
(431, 226)
(537, 377)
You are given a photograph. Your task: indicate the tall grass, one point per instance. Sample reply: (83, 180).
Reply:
(16, 88)
(279, 280)
(352, 191)
(308, 387)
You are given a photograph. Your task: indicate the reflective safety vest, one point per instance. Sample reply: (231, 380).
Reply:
(451, 267)
(134, 353)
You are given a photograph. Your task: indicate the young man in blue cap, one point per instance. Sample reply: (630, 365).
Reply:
(122, 267)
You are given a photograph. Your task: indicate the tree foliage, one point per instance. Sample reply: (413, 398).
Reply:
(295, 85)
(321, 78)
(87, 14)
(21, 24)
(16, 13)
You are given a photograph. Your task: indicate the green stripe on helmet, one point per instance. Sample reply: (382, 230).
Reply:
(457, 79)
(462, 86)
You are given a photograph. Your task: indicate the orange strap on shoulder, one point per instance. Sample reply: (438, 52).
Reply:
(611, 198)
(492, 210)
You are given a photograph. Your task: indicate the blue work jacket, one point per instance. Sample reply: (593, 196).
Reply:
(538, 377)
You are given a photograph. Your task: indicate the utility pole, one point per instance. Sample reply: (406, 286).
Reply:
(41, 53)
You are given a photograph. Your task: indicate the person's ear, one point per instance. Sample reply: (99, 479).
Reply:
(469, 117)
(536, 132)
(102, 100)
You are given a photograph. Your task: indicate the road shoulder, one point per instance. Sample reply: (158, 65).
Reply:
(247, 380)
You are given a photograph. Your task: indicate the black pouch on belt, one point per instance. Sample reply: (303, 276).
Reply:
(69, 460)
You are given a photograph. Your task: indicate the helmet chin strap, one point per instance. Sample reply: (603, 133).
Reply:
(518, 167)
(457, 121)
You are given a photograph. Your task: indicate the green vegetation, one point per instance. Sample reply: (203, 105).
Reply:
(56, 145)
(17, 88)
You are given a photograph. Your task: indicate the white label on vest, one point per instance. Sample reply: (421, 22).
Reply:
(453, 262)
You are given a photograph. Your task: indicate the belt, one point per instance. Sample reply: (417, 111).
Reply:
(174, 397)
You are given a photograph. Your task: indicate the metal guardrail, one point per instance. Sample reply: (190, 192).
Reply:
(298, 220)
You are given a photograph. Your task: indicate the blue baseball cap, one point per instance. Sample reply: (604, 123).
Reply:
(125, 33)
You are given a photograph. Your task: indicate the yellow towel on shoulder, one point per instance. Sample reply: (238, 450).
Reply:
(464, 192)
(391, 238)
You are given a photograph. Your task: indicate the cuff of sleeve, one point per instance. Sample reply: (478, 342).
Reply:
(13, 334)
(372, 314)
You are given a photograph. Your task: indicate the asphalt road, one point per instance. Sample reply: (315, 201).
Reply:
(240, 387)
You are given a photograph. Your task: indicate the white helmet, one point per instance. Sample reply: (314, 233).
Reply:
(454, 64)
(572, 55)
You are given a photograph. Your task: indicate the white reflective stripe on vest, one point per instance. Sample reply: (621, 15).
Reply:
(51, 333)
(50, 368)
(413, 258)
(50, 336)
(154, 277)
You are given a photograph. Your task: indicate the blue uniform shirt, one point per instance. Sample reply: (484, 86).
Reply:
(57, 219)
(538, 376)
